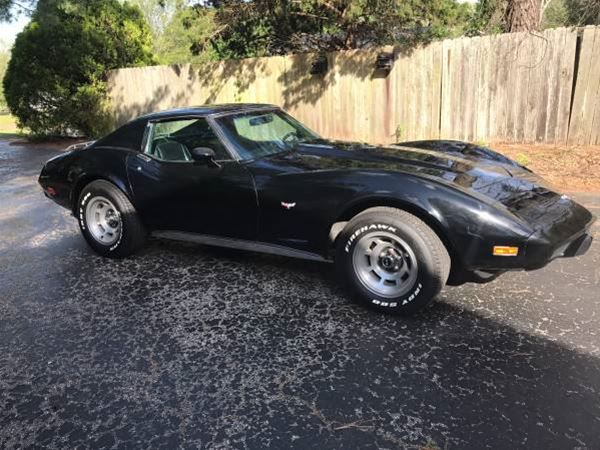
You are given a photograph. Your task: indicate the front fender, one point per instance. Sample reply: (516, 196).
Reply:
(466, 224)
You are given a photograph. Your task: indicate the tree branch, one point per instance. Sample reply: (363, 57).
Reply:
(305, 14)
(22, 6)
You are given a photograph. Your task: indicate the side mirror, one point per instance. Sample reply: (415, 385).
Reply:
(204, 155)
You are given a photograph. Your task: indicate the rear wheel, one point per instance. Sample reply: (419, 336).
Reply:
(391, 260)
(108, 220)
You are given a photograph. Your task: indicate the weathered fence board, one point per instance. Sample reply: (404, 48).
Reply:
(520, 87)
(585, 99)
(504, 76)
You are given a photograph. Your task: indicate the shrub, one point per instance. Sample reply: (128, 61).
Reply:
(55, 83)
(4, 57)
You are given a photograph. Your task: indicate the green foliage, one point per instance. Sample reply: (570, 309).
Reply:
(177, 27)
(522, 159)
(10, 8)
(267, 27)
(178, 43)
(398, 134)
(582, 12)
(158, 13)
(556, 15)
(56, 78)
(4, 57)
(5, 8)
(490, 15)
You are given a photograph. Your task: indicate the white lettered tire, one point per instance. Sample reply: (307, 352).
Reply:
(108, 220)
(391, 260)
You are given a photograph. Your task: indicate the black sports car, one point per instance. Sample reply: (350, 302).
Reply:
(399, 221)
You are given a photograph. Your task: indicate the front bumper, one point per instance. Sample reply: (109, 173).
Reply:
(549, 244)
(579, 246)
(562, 231)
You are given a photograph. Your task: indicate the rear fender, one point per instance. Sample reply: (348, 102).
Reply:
(100, 164)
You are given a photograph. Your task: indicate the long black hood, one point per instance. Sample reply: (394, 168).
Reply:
(474, 170)
(463, 165)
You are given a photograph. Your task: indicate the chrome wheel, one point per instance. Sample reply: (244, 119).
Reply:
(103, 220)
(385, 264)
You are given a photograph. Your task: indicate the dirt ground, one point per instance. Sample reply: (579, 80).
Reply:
(567, 168)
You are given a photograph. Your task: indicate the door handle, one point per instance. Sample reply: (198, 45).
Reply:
(144, 157)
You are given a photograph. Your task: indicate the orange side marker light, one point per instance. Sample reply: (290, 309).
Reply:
(502, 250)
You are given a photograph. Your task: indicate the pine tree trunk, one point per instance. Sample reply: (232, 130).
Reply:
(523, 15)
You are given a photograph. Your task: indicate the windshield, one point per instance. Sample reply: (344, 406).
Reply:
(262, 133)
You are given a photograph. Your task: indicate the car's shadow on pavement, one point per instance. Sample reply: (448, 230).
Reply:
(193, 346)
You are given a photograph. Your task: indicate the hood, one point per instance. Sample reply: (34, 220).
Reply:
(468, 167)
(478, 171)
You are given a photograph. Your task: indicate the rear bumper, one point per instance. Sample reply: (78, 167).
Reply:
(55, 190)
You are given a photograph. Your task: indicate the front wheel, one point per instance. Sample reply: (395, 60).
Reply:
(391, 260)
(108, 220)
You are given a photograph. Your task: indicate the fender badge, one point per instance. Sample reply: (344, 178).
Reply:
(288, 206)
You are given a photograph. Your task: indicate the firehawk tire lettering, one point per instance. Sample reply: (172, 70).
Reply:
(81, 209)
(432, 259)
(375, 226)
(395, 304)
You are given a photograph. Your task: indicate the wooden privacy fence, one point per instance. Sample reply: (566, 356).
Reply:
(518, 87)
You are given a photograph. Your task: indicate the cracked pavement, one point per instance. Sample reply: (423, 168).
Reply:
(187, 346)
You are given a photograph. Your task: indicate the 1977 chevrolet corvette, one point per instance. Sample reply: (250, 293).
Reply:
(399, 221)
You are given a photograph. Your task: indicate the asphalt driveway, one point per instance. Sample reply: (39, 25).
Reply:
(189, 346)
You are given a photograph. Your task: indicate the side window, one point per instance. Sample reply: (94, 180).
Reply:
(129, 136)
(173, 140)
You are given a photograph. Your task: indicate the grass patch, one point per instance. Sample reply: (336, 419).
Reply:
(523, 159)
(8, 127)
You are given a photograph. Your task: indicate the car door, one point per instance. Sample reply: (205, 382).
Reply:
(174, 192)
